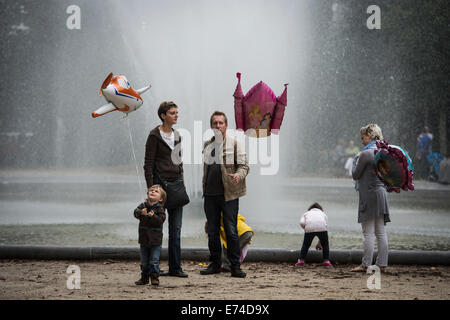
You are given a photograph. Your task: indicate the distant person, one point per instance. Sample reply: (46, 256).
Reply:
(338, 157)
(223, 184)
(373, 207)
(351, 149)
(434, 159)
(159, 168)
(151, 215)
(315, 224)
(424, 141)
(350, 152)
(245, 234)
(444, 170)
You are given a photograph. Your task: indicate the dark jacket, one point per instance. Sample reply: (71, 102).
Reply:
(158, 157)
(150, 228)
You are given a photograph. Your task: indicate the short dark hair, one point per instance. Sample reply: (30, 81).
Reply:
(164, 107)
(218, 113)
(315, 205)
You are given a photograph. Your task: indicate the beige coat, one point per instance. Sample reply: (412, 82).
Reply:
(234, 160)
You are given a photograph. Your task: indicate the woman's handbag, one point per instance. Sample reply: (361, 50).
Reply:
(176, 193)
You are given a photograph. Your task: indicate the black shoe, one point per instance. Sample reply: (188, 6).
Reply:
(142, 281)
(237, 272)
(179, 274)
(211, 269)
(154, 279)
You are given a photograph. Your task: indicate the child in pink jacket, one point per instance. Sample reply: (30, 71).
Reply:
(315, 223)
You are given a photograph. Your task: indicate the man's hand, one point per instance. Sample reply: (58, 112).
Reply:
(234, 178)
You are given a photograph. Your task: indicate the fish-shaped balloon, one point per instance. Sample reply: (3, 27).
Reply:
(259, 109)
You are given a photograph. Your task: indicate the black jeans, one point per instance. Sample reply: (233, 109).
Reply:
(244, 239)
(309, 236)
(174, 243)
(213, 206)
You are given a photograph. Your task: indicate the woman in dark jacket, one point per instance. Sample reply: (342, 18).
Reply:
(159, 164)
(373, 207)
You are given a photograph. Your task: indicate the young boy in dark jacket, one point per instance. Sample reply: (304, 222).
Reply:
(151, 215)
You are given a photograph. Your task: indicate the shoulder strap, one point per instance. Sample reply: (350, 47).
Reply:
(176, 136)
(235, 152)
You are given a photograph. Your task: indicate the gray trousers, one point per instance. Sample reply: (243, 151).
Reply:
(375, 228)
(243, 240)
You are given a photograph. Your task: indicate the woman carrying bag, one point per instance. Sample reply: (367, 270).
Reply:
(163, 166)
(373, 206)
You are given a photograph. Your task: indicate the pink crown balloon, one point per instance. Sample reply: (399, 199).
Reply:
(394, 167)
(259, 109)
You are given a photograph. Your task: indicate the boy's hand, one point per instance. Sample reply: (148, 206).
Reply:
(319, 246)
(144, 212)
(151, 213)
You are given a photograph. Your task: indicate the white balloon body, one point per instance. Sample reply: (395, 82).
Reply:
(120, 96)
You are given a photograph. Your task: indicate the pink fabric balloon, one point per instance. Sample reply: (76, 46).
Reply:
(259, 109)
(394, 167)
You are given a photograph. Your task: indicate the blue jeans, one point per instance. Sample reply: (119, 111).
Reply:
(213, 206)
(150, 259)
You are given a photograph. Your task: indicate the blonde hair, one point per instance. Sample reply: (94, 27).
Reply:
(373, 131)
(255, 109)
(161, 190)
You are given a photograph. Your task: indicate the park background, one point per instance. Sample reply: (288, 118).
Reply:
(69, 179)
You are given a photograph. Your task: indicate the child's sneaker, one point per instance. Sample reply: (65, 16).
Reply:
(300, 263)
(327, 264)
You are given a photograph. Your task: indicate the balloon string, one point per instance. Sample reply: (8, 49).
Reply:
(135, 160)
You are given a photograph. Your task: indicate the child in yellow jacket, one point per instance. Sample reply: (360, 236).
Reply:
(245, 234)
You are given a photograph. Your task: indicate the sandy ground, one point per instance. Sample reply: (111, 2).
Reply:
(114, 279)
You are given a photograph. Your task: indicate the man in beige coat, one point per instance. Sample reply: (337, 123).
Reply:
(225, 169)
